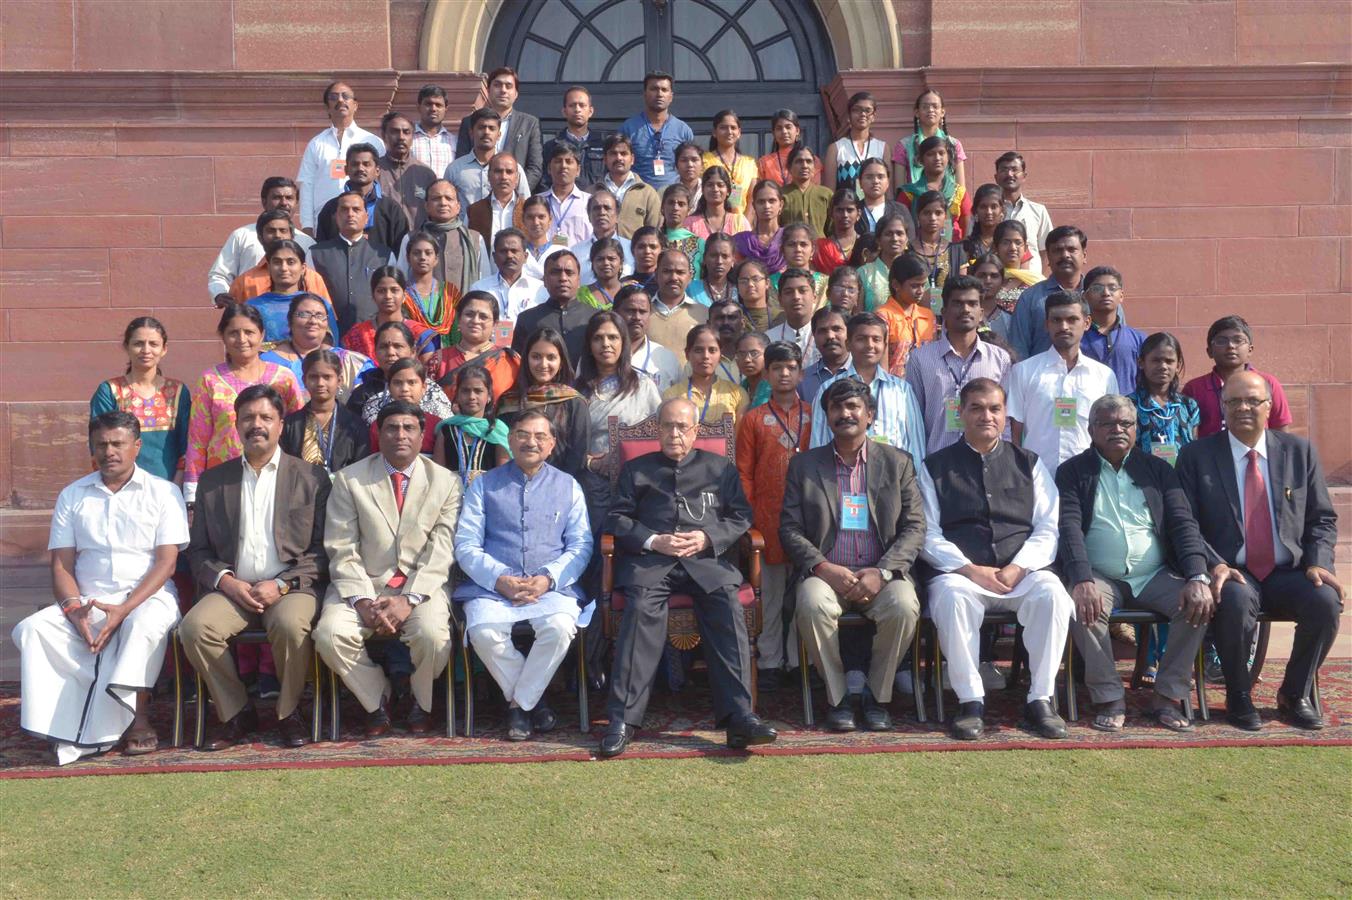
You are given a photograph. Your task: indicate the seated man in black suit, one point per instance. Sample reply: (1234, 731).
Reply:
(1269, 526)
(676, 518)
(1128, 539)
(848, 553)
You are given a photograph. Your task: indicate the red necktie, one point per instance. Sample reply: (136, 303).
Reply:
(400, 482)
(1259, 557)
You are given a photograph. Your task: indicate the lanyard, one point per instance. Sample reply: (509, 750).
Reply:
(690, 386)
(559, 209)
(1110, 340)
(610, 301)
(728, 373)
(795, 436)
(325, 441)
(780, 161)
(960, 376)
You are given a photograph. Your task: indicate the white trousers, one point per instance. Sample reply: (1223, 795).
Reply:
(1044, 608)
(523, 679)
(80, 701)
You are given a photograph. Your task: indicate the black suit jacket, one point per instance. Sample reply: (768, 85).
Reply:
(657, 495)
(1077, 481)
(524, 142)
(347, 272)
(811, 517)
(388, 226)
(890, 208)
(1306, 524)
(351, 436)
(297, 523)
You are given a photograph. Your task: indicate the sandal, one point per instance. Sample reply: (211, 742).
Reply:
(1110, 716)
(1170, 717)
(139, 743)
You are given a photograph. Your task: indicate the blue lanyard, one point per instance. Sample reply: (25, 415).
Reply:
(690, 386)
(326, 441)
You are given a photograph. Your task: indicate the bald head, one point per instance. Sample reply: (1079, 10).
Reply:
(677, 419)
(1248, 402)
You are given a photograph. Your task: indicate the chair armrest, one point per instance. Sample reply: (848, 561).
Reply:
(753, 544)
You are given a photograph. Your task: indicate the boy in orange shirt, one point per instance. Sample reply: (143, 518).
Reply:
(910, 321)
(768, 436)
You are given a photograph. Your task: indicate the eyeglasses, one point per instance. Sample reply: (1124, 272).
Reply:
(335, 96)
(1117, 424)
(1100, 289)
(748, 354)
(1246, 402)
(1223, 341)
(863, 111)
(307, 315)
(673, 427)
(753, 279)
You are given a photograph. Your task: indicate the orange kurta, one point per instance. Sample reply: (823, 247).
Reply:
(764, 449)
(906, 328)
(257, 281)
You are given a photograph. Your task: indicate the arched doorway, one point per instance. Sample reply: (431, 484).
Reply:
(754, 56)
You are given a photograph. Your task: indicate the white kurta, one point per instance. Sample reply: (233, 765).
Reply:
(81, 701)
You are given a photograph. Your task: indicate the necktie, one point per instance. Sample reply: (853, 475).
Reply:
(1259, 557)
(399, 579)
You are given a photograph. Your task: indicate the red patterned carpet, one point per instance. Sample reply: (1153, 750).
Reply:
(680, 726)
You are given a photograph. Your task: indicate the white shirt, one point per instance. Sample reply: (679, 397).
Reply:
(619, 190)
(1037, 552)
(257, 559)
(242, 251)
(570, 215)
(582, 251)
(800, 336)
(514, 298)
(1037, 222)
(502, 216)
(1034, 386)
(115, 534)
(1239, 451)
(658, 362)
(535, 265)
(470, 178)
(323, 170)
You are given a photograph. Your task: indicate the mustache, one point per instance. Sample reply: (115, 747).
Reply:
(846, 420)
(257, 432)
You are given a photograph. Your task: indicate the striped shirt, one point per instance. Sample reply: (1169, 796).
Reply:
(854, 548)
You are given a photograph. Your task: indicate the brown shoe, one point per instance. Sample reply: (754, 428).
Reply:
(378, 722)
(294, 731)
(419, 721)
(236, 730)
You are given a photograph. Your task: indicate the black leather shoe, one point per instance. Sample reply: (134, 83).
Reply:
(876, 716)
(748, 731)
(518, 724)
(1300, 713)
(378, 722)
(969, 722)
(841, 716)
(236, 730)
(419, 721)
(615, 740)
(1042, 719)
(543, 719)
(768, 681)
(294, 730)
(1240, 713)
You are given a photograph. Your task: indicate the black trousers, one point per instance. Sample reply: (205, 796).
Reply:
(1285, 592)
(643, 634)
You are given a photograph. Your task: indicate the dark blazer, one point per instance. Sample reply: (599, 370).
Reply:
(479, 217)
(657, 495)
(524, 142)
(890, 208)
(1307, 526)
(350, 438)
(347, 272)
(297, 524)
(388, 225)
(811, 517)
(1077, 481)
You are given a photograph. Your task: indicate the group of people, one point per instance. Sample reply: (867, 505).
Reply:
(408, 431)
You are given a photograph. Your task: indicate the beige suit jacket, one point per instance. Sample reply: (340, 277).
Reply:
(368, 541)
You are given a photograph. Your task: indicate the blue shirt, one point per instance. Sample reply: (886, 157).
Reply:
(1175, 422)
(1028, 336)
(898, 420)
(1118, 349)
(650, 144)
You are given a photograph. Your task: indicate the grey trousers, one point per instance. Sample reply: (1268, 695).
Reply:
(1162, 595)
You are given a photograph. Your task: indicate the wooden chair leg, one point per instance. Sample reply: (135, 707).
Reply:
(805, 676)
(917, 687)
(755, 673)
(1199, 673)
(317, 708)
(335, 727)
(467, 654)
(938, 676)
(178, 692)
(583, 707)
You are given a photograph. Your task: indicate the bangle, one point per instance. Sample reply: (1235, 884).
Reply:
(67, 602)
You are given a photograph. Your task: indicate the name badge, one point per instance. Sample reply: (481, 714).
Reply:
(1063, 412)
(1165, 451)
(502, 334)
(880, 438)
(338, 169)
(854, 512)
(659, 167)
(951, 420)
(735, 198)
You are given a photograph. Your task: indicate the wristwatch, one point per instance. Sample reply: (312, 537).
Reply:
(1204, 578)
(887, 575)
(283, 587)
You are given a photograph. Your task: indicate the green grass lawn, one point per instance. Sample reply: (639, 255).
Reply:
(1224, 822)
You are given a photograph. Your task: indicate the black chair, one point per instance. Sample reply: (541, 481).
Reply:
(200, 728)
(335, 685)
(1265, 621)
(859, 620)
(1148, 619)
(522, 632)
(992, 617)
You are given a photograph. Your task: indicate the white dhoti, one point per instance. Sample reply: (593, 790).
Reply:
(523, 679)
(958, 607)
(81, 701)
